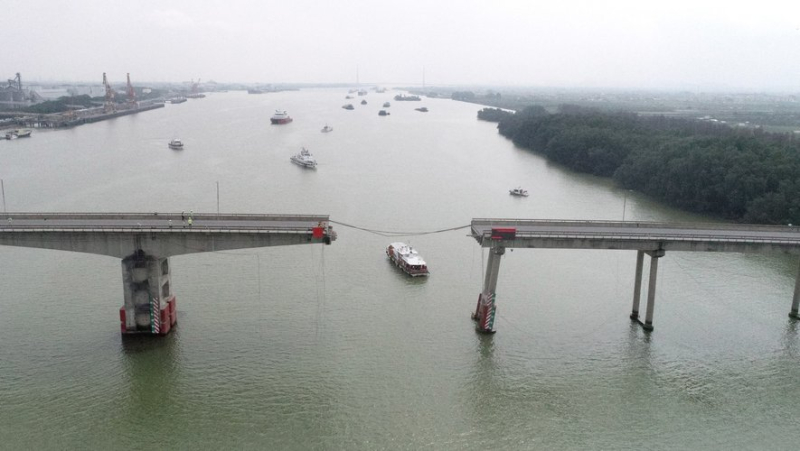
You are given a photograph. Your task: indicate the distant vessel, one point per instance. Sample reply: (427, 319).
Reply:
(280, 117)
(363, 102)
(386, 104)
(178, 99)
(349, 106)
(407, 259)
(348, 97)
(326, 129)
(304, 159)
(362, 92)
(383, 113)
(195, 96)
(423, 109)
(255, 91)
(518, 192)
(402, 98)
(176, 144)
(19, 133)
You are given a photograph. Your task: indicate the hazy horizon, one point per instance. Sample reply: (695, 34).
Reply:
(623, 45)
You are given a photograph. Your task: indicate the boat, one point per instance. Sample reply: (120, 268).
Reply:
(407, 259)
(176, 144)
(386, 104)
(383, 113)
(518, 192)
(405, 98)
(175, 100)
(195, 96)
(19, 133)
(423, 109)
(327, 129)
(363, 102)
(348, 97)
(304, 159)
(280, 117)
(349, 106)
(362, 92)
(255, 91)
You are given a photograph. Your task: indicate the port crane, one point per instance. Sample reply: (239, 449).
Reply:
(131, 94)
(108, 105)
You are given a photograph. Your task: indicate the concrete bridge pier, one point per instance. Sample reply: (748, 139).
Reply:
(485, 310)
(150, 306)
(637, 285)
(796, 297)
(651, 287)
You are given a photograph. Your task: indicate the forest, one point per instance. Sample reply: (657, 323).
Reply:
(736, 173)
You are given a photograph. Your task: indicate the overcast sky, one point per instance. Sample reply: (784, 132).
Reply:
(641, 44)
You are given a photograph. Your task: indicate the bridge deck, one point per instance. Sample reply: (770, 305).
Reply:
(162, 234)
(648, 236)
(157, 221)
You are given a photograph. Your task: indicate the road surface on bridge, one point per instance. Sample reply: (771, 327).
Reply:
(639, 235)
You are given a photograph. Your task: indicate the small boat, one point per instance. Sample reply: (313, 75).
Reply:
(423, 109)
(407, 259)
(405, 98)
(19, 133)
(362, 92)
(304, 159)
(176, 144)
(280, 117)
(386, 104)
(363, 102)
(518, 192)
(348, 97)
(349, 106)
(326, 129)
(383, 113)
(176, 100)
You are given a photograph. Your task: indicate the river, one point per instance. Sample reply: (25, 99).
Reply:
(331, 347)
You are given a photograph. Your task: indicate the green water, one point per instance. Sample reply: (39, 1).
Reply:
(331, 347)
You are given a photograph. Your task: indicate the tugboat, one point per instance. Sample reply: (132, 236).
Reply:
(407, 259)
(304, 159)
(326, 129)
(383, 113)
(280, 117)
(349, 106)
(176, 144)
(518, 192)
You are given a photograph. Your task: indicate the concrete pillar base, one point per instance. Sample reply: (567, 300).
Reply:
(635, 316)
(149, 306)
(794, 315)
(648, 327)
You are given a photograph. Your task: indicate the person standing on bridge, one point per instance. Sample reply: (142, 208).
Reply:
(190, 221)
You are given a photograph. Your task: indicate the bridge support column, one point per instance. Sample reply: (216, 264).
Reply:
(637, 285)
(796, 297)
(150, 306)
(485, 310)
(651, 288)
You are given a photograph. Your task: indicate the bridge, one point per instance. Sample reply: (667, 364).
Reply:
(146, 241)
(651, 238)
